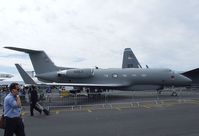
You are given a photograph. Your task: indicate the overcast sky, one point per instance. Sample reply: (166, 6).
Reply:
(88, 33)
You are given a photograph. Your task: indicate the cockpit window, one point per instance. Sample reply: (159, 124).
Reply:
(172, 77)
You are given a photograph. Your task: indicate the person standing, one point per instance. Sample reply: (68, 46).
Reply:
(12, 112)
(33, 101)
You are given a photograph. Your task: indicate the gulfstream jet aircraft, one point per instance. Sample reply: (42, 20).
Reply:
(101, 79)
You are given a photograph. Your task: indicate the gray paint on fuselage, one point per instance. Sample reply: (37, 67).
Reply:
(130, 78)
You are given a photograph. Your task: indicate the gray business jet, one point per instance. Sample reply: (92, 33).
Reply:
(102, 79)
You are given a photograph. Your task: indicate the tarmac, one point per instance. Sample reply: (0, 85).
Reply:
(143, 117)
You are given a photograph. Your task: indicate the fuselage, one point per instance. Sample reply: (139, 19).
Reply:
(129, 79)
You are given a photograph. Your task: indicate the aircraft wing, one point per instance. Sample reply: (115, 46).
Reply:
(86, 85)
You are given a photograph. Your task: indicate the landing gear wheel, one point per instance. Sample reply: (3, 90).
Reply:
(174, 94)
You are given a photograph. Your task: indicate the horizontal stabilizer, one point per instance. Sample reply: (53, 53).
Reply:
(40, 60)
(23, 50)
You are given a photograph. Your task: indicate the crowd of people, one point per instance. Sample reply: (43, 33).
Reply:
(24, 93)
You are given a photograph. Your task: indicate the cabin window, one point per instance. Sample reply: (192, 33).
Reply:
(134, 75)
(106, 75)
(124, 75)
(143, 75)
(114, 75)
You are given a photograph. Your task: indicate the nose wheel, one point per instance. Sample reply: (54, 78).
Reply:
(159, 91)
(174, 93)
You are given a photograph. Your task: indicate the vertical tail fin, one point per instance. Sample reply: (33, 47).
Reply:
(129, 59)
(40, 60)
(26, 78)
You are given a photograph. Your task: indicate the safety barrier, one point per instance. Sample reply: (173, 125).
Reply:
(65, 99)
(57, 100)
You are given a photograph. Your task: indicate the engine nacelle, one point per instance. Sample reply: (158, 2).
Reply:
(77, 73)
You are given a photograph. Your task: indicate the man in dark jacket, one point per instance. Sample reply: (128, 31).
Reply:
(33, 101)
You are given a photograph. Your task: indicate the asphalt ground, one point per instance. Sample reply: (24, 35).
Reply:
(171, 118)
(145, 114)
